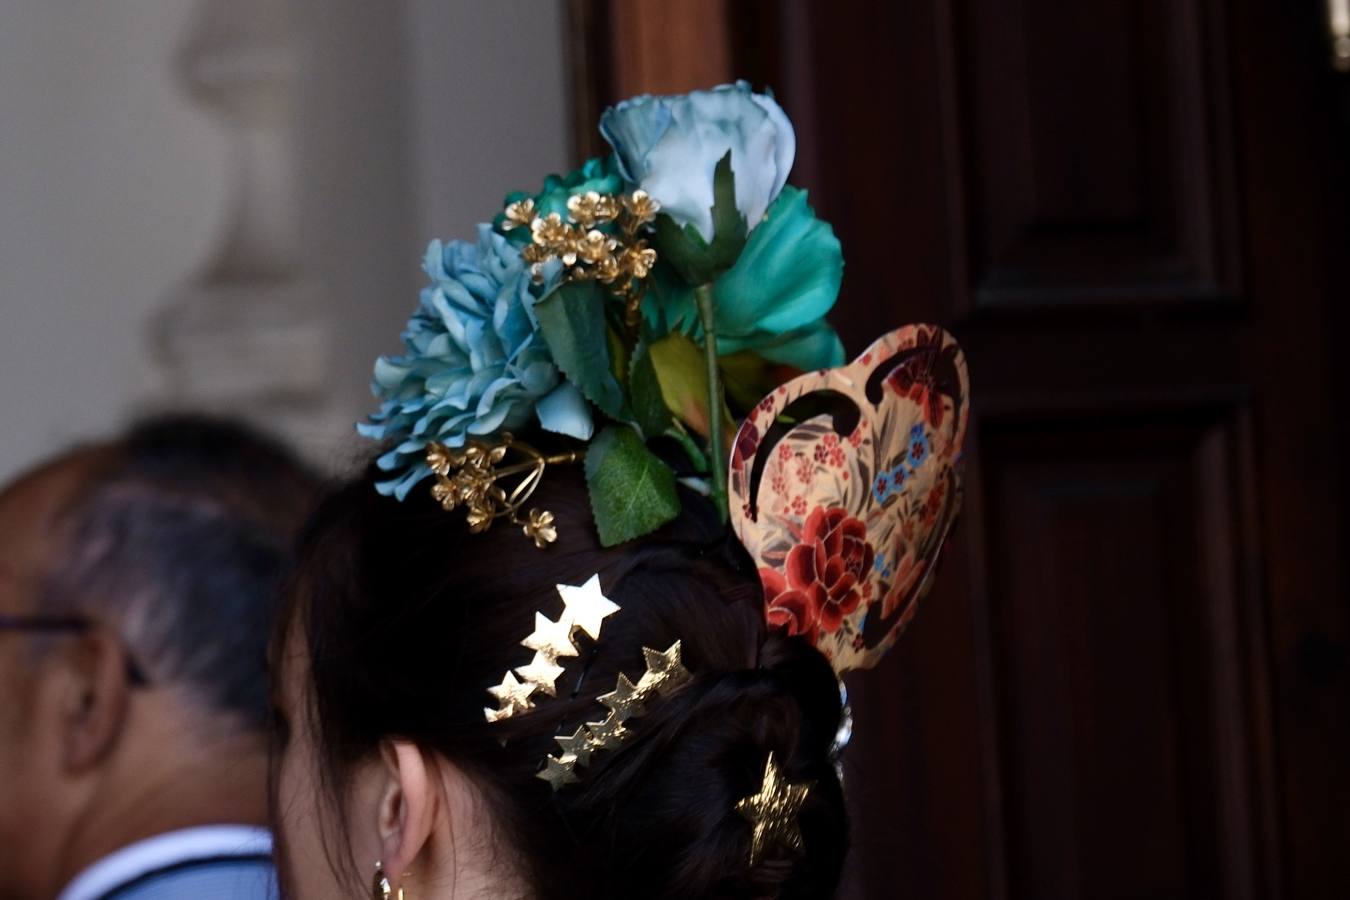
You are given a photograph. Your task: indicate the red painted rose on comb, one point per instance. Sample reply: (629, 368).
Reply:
(824, 576)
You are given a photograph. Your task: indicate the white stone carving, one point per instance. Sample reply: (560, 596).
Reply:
(245, 333)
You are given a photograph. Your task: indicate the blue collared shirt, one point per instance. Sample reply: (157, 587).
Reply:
(212, 862)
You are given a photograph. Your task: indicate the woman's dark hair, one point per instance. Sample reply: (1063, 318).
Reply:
(408, 619)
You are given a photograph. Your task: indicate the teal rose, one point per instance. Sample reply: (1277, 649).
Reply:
(600, 175)
(670, 147)
(474, 364)
(773, 300)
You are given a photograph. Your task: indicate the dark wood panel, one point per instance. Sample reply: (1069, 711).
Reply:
(918, 785)
(1096, 153)
(1121, 639)
(1134, 214)
(622, 48)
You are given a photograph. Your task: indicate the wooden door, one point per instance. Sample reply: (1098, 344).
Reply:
(1132, 678)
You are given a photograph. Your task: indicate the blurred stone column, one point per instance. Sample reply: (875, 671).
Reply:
(245, 333)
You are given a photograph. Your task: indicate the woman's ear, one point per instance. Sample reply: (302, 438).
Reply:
(408, 808)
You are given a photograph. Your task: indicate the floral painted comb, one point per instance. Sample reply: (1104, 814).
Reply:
(844, 488)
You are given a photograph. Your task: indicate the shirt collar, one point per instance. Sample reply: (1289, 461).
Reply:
(161, 851)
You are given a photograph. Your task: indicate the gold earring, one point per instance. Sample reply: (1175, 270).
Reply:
(381, 889)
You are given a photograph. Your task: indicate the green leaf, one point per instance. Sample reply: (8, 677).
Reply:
(649, 405)
(620, 354)
(749, 377)
(729, 225)
(697, 260)
(572, 321)
(697, 456)
(682, 374)
(632, 491)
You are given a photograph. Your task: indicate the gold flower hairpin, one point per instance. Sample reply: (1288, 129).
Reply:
(469, 477)
(600, 240)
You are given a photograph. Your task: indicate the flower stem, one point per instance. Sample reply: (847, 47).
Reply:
(703, 294)
(680, 435)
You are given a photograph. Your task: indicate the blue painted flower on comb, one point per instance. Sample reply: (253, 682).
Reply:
(918, 445)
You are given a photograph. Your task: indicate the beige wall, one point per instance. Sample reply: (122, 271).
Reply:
(413, 118)
(110, 188)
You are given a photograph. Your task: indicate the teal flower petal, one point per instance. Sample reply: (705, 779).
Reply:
(565, 411)
(600, 175)
(389, 373)
(813, 347)
(787, 276)
(400, 487)
(669, 305)
(538, 378)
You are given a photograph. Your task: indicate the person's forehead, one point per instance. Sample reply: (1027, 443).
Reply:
(28, 509)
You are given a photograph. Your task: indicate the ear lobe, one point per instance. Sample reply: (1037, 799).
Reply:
(407, 808)
(94, 700)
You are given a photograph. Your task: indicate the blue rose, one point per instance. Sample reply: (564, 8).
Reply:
(670, 147)
(475, 363)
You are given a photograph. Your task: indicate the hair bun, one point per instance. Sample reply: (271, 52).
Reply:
(673, 794)
(655, 818)
(807, 675)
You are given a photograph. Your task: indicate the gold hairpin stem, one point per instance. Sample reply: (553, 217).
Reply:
(470, 477)
(556, 459)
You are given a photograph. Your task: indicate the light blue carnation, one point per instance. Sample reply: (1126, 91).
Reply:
(670, 147)
(475, 363)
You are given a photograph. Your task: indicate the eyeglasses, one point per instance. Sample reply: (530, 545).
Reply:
(71, 625)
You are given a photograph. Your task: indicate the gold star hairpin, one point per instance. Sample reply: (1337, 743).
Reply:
(665, 674)
(773, 812)
(584, 609)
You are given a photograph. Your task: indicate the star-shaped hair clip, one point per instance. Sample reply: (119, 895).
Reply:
(584, 609)
(773, 812)
(664, 675)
